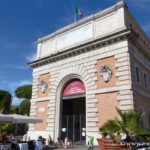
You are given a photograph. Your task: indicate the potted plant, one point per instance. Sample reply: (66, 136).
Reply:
(127, 124)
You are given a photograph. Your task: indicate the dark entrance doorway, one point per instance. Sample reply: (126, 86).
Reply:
(73, 125)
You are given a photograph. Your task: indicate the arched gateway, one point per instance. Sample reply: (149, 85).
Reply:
(87, 69)
(73, 111)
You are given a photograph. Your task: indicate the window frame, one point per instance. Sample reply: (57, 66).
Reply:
(145, 78)
(138, 74)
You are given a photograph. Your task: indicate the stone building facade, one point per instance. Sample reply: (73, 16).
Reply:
(109, 53)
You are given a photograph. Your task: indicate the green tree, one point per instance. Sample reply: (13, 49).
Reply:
(5, 101)
(15, 109)
(127, 123)
(24, 92)
(24, 107)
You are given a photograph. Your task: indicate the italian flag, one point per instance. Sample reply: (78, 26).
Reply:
(78, 12)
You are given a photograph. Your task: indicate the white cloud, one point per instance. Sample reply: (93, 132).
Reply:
(31, 57)
(11, 86)
(17, 84)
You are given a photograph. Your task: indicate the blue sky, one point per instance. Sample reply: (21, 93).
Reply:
(22, 22)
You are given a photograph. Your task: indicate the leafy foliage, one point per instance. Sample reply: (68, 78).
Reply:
(24, 108)
(127, 123)
(110, 127)
(15, 109)
(5, 129)
(5, 101)
(24, 92)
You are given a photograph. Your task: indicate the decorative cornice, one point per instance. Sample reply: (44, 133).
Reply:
(84, 20)
(95, 44)
(138, 38)
(139, 43)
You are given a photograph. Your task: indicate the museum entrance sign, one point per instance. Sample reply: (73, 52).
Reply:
(75, 87)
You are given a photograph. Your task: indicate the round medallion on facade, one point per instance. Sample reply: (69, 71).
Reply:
(43, 86)
(105, 73)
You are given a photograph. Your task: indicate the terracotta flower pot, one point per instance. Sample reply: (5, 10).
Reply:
(107, 143)
(101, 142)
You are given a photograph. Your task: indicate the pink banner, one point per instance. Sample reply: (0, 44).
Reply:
(74, 88)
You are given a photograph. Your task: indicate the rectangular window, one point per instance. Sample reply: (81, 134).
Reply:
(137, 75)
(145, 80)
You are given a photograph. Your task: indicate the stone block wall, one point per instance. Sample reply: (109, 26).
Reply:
(85, 66)
(141, 95)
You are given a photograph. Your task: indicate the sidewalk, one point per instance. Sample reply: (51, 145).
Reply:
(79, 147)
(75, 147)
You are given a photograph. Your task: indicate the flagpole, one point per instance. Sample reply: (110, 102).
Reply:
(74, 5)
(74, 14)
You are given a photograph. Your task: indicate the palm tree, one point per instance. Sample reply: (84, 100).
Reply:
(127, 123)
(5, 101)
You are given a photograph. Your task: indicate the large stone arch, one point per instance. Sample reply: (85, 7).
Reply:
(63, 76)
